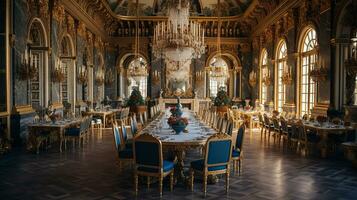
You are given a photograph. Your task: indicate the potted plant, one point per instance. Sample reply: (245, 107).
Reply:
(136, 101)
(222, 101)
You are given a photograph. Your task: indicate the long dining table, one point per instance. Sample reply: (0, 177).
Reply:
(194, 137)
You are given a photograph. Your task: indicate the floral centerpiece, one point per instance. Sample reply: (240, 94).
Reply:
(222, 101)
(136, 101)
(177, 123)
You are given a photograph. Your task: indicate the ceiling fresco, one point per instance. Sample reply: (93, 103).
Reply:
(198, 7)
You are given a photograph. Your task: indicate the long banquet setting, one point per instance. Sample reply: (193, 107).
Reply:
(178, 99)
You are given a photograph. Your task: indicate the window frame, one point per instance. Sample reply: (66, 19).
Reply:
(281, 64)
(263, 65)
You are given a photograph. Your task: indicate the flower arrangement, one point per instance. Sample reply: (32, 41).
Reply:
(222, 98)
(135, 99)
(177, 121)
(176, 111)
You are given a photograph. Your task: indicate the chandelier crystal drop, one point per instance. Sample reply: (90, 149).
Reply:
(178, 39)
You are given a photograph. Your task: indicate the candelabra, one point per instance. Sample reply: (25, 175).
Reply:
(109, 77)
(286, 77)
(266, 80)
(199, 76)
(29, 65)
(156, 76)
(83, 74)
(58, 74)
(319, 72)
(252, 78)
(99, 76)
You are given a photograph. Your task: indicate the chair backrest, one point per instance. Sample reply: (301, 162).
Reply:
(284, 125)
(218, 150)
(276, 123)
(133, 125)
(305, 117)
(223, 127)
(266, 119)
(148, 152)
(85, 124)
(124, 133)
(117, 138)
(261, 120)
(229, 129)
(240, 137)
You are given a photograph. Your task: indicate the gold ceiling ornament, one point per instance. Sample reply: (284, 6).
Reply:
(178, 39)
(82, 29)
(59, 13)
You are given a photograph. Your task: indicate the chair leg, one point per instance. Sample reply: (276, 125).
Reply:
(239, 166)
(192, 178)
(227, 181)
(172, 181)
(234, 166)
(160, 185)
(136, 182)
(204, 184)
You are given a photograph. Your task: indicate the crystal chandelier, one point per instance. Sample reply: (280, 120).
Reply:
(137, 70)
(178, 39)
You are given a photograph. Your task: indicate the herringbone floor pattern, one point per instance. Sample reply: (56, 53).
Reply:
(92, 173)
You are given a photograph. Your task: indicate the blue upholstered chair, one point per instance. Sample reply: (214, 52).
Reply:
(133, 125)
(218, 153)
(149, 161)
(238, 149)
(78, 133)
(124, 154)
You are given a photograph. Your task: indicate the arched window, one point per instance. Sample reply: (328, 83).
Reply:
(263, 70)
(218, 75)
(308, 59)
(281, 66)
(137, 75)
(355, 91)
(37, 86)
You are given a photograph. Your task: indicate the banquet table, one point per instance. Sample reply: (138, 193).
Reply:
(35, 131)
(324, 130)
(195, 137)
(249, 115)
(104, 114)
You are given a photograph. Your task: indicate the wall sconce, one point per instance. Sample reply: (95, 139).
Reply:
(58, 74)
(99, 76)
(83, 74)
(156, 76)
(286, 77)
(109, 77)
(252, 78)
(319, 72)
(199, 76)
(266, 80)
(29, 65)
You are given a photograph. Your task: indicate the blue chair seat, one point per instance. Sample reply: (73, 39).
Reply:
(167, 166)
(126, 153)
(235, 153)
(199, 165)
(73, 132)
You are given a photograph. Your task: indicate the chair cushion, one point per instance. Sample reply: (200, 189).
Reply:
(126, 153)
(199, 165)
(167, 166)
(235, 153)
(73, 132)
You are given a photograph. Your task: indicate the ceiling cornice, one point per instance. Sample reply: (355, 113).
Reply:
(74, 9)
(274, 16)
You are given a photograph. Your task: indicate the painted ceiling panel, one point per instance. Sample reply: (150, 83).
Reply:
(198, 7)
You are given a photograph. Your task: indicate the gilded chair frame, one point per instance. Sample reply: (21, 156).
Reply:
(205, 172)
(121, 147)
(145, 137)
(237, 161)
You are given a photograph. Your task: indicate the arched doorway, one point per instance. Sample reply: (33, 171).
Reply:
(66, 56)
(38, 85)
